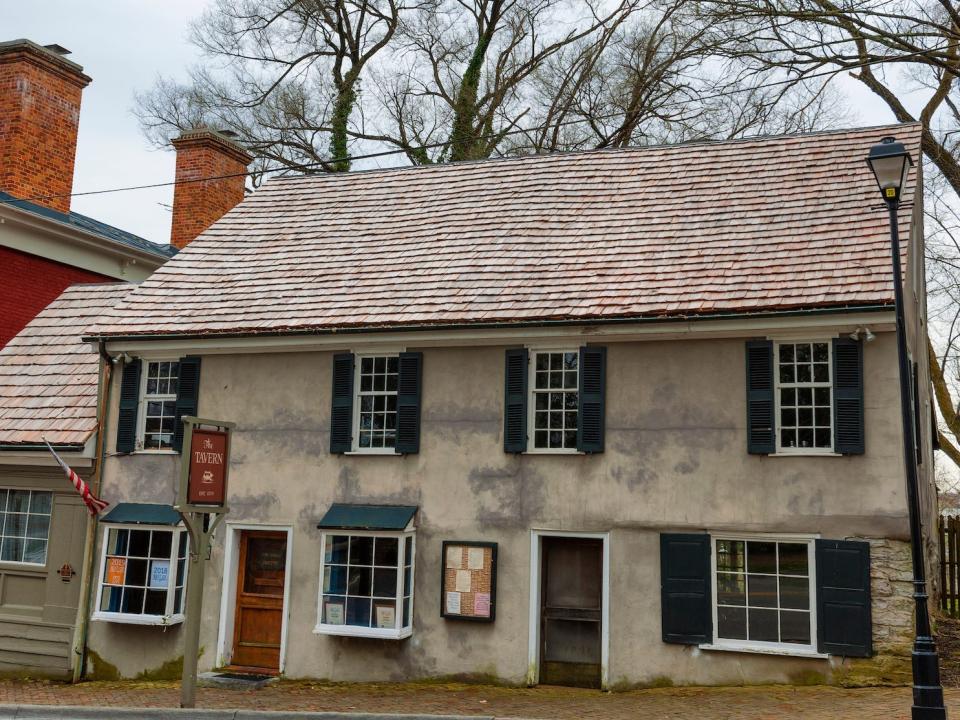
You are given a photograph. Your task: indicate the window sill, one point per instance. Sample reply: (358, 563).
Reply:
(126, 619)
(805, 453)
(383, 453)
(357, 631)
(154, 452)
(553, 452)
(773, 650)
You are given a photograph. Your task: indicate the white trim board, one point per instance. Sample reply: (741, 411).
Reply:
(228, 590)
(533, 645)
(479, 336)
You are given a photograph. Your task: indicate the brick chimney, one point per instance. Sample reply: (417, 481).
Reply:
(39, 115)
(204, 153)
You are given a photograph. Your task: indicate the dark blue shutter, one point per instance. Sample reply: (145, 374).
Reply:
(686, 616)
(129, 402)
(844, 626)
(409, 383)
(515, 401)
(761, 428)
(593, 382)
(848, 396)
(341, 412)
(188, 392)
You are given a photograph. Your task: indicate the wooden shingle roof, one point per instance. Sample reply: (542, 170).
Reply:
(768, 224)
(48, 377)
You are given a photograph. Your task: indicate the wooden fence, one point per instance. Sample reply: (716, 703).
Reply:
(950, 566)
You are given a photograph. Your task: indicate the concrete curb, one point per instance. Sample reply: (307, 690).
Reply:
(69, 712)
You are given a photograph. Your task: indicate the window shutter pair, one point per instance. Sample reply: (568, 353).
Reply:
(188, 392)
(848, 432)
(409, 389)
(591, 410)
(844, 624)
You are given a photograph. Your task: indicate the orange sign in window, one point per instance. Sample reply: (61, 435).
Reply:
(116, 570)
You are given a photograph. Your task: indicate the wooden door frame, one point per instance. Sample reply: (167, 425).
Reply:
(536, 560)
(228, 590)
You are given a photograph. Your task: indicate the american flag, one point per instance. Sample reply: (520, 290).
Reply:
(93, 503)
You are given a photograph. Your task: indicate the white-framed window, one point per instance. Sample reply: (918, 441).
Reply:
(143, 574)
(366, 584)
(764, 593)
(554, 387)
(804, 395)
(24, 526)
(375, 406)
(158, 404)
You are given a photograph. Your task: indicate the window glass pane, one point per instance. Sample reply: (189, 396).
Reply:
(19, 501)
(12, 550)
(732, 623)
(38, 526)
(795, 627)
(110, 601)
(795, 593)
(336, 546)
(136, 572)
(359, 581)
(763, 625)
(793, 558)
(35, 551)
(132, 600)
(762, 590)
(731, 589)
(407, 550)
(117, 545)
(820, 352)
(139, 543)
(385, 583)
(730, 555)
(16, 525)
(361, 550)
(358, 611)
(406, 612)
(40, 502)
(334, 609)
(161, 545)
(386, 551)
(761, 557)
(335, 579)
(156, 602)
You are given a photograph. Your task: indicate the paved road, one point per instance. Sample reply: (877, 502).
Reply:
(543, 703)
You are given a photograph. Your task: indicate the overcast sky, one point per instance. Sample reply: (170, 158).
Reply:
(124, 45)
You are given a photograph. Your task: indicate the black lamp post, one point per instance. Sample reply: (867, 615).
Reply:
(890, 163)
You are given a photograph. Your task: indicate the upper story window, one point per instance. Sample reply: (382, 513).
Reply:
(376, 406)
(804, 396)
(158, 404)
(762, 593)
(25, 523)
(555, 399)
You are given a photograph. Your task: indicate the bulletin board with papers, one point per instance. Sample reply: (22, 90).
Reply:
(469, 582)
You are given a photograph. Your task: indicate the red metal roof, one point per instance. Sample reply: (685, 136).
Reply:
(767, 224)
(48, 377)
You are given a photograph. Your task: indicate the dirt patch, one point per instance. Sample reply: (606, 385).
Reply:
(948, 646)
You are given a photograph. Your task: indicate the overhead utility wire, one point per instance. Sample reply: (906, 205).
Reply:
(431, 146)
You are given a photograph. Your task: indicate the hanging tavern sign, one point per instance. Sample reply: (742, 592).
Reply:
(204, 464)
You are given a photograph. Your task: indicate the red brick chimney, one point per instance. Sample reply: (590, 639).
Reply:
(205, 153)
(39, 115)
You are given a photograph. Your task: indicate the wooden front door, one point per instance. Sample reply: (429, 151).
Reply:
(571, 594)
(258, 622)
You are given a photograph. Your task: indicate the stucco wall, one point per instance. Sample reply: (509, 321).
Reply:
(675, 459)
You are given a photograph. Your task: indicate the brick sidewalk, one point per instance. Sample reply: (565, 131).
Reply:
(753, 703)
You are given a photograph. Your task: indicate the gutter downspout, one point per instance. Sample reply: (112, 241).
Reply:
(82, 625)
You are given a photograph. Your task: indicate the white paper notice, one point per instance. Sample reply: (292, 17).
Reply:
(475, 558)
(453, 603)
(454, 555)
(463, 581)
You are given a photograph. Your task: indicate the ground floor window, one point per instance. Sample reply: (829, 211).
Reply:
(142, 575)
(763, 592)
(25, 525)
(366, 584)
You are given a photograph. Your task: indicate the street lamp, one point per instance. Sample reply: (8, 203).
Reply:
(890, 163)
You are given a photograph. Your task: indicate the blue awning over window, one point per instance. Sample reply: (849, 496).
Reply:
(342, 516)
(142, 514)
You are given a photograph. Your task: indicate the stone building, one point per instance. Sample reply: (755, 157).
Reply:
(605, 418)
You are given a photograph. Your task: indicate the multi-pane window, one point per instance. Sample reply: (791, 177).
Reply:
(763, 591)
(805, 395)
(367, 585)
(25, 523)
(143, 575)
(555, 391)
(159, 404)
(377, 402)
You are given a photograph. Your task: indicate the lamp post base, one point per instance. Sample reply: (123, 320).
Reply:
(927, 692)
